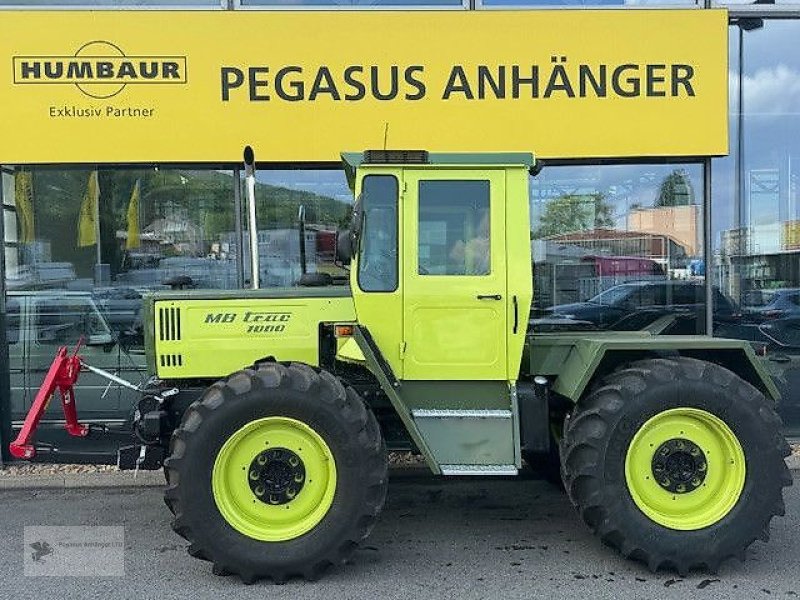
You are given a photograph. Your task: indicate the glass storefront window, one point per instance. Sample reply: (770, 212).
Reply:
(756, 200)
(323, 200)
(106, 3)
(361, 4)
(82, 246)
(583, 3)
(619, 247)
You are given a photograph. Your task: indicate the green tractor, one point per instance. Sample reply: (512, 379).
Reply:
(274, 408)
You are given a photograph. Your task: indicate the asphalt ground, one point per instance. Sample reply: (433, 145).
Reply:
(436, 539)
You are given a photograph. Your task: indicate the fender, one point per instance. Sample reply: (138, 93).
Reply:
(574, 360)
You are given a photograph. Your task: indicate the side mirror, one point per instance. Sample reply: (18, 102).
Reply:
(344, 247)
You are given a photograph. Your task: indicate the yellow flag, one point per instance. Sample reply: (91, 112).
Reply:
(87, 224)
(23, 199)
(133, 240)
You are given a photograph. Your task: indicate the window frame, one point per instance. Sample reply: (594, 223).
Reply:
(361, 288)
(488, 183)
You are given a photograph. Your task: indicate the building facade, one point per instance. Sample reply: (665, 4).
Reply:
(83, 240)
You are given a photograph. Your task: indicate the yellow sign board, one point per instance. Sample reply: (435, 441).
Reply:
(197, 86)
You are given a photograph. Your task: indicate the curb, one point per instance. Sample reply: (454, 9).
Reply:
(67, 481)
(147, 479)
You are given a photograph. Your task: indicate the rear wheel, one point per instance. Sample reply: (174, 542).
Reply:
(676, 462)
(276, 472)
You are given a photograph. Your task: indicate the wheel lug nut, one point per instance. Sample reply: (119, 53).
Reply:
(260, 491)
(262, 460)
(298, 478)
(294, 461)
(254, 475)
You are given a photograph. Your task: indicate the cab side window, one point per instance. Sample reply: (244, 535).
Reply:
(454, 228)
(377, 259)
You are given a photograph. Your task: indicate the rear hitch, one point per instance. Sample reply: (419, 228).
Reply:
(62, 376)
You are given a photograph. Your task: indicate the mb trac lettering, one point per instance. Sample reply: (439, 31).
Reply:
(257, 321)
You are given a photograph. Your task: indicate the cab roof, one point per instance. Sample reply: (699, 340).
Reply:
(351, 161)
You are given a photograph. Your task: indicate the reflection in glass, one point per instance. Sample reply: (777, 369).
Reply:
(454, 228)
(756, 201)
(128, 3)
(346, 3)
(619, 247)
(324, 200)
(580, 3)
(377, 260)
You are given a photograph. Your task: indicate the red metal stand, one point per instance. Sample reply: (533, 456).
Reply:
(62, 375)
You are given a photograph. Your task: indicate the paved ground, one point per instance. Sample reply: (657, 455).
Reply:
(455, 539)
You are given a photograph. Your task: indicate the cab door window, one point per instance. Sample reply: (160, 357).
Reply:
(454, 228)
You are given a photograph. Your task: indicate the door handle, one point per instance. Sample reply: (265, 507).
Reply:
(516, 315)
(489, 297)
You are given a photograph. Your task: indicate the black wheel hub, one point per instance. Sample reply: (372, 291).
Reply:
(276, 476)
(679, 466)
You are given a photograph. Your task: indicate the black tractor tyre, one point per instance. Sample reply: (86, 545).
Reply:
(597, 436)
(333, 411)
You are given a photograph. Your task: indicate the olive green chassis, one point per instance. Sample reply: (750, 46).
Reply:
(487, 427)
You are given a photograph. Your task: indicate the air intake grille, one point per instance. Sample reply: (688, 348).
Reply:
(169, 324)
(171, 360)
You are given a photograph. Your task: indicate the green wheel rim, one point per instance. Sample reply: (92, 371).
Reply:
(718, 487)
(249, 514)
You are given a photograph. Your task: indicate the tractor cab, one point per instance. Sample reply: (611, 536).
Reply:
(441, 261)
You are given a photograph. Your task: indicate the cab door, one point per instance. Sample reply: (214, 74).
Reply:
(454, 276)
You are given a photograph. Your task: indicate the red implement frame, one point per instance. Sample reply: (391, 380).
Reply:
(62, 375)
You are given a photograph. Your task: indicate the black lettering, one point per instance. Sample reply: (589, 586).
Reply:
(324, 84)
(633, 88)
(170, 70)
(417, 84)
(55, 70)
(653, 80)
(256, 83)
(457, 83)
(517, 82)
(79, 70)
(149, 70)
(498, 85)
(349, 79)
(298, 87)
(31, 70)
(231, 78)
(598, 84)
(681, 75)
(105, 70)
(559, 82)
(376, 86)
(126, 70)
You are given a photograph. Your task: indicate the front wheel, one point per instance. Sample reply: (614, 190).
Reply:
(276, 472)
(678, 463)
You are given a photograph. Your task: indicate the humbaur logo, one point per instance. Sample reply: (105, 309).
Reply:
(100, 70)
